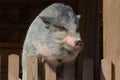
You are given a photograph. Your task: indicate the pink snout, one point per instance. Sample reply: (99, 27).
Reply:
(73, 42)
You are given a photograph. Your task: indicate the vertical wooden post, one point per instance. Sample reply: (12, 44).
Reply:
(106, 69)
(88, 69)
(32, 68)
(13, 67)
(49, 73)
(69, 71)
(111, 23)
(0, 66)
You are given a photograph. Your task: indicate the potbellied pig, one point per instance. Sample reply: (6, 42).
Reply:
(53, 36)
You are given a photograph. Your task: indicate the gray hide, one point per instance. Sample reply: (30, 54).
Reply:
(53, 36)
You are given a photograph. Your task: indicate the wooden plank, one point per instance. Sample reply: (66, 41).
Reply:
(111, 23)
(32, 68)
(0, 66)
(89, 29)
(106, 69)
(11, 45)
(69, 71)
(117, 70)
(50, 72)
(13, 67)
(33, 4)
(12, 27)
(88, 69)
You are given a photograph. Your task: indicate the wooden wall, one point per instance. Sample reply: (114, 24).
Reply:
(16, 16)
(111, 18)
(90, 32)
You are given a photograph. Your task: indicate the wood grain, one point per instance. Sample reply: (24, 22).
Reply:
(69, 71)
(89, 29)
(0, 66)
(111, 23)
(13, 67)
(106, 69)
(32, 68)
(50, 72)
(88, 69)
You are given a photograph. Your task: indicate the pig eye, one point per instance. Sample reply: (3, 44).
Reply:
(47, 27)
(60, 28)
(47, 22)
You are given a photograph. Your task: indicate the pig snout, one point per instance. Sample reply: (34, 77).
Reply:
(76, 43)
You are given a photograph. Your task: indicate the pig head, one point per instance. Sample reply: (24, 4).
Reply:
(53, 34)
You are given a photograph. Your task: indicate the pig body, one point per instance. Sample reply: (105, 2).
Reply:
(53, 36)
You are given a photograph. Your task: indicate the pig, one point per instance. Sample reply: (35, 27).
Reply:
(53, 36)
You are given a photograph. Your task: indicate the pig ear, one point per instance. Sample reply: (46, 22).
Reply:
(78, 16)
(45, 19)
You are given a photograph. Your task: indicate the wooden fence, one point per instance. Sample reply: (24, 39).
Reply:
(106, 69)
(111, 35)
(88, 69)
(32, 69)
(0, 67)
(13, 69)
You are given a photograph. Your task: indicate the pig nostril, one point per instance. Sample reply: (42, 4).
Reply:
(78, 43)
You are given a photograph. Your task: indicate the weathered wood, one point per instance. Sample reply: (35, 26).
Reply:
(0, 66)
(13, 67)
(5, 51)
(16, 27)
(88, 69)
(111, 23)
(69, 71)
(89, 29)
(106, 69)
(10, 45)
(33, 4)
(50, 72)
(32, 68)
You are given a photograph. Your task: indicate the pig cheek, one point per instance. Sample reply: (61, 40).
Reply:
(44, 51)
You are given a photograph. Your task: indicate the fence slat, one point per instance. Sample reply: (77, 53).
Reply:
(69, 71)
(88, 69)
(111, 34)
(13, 67)
(106, 69)
(49, 73)
(32, 68)
(0, 66)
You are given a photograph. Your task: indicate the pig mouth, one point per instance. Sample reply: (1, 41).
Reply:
(69, 48)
